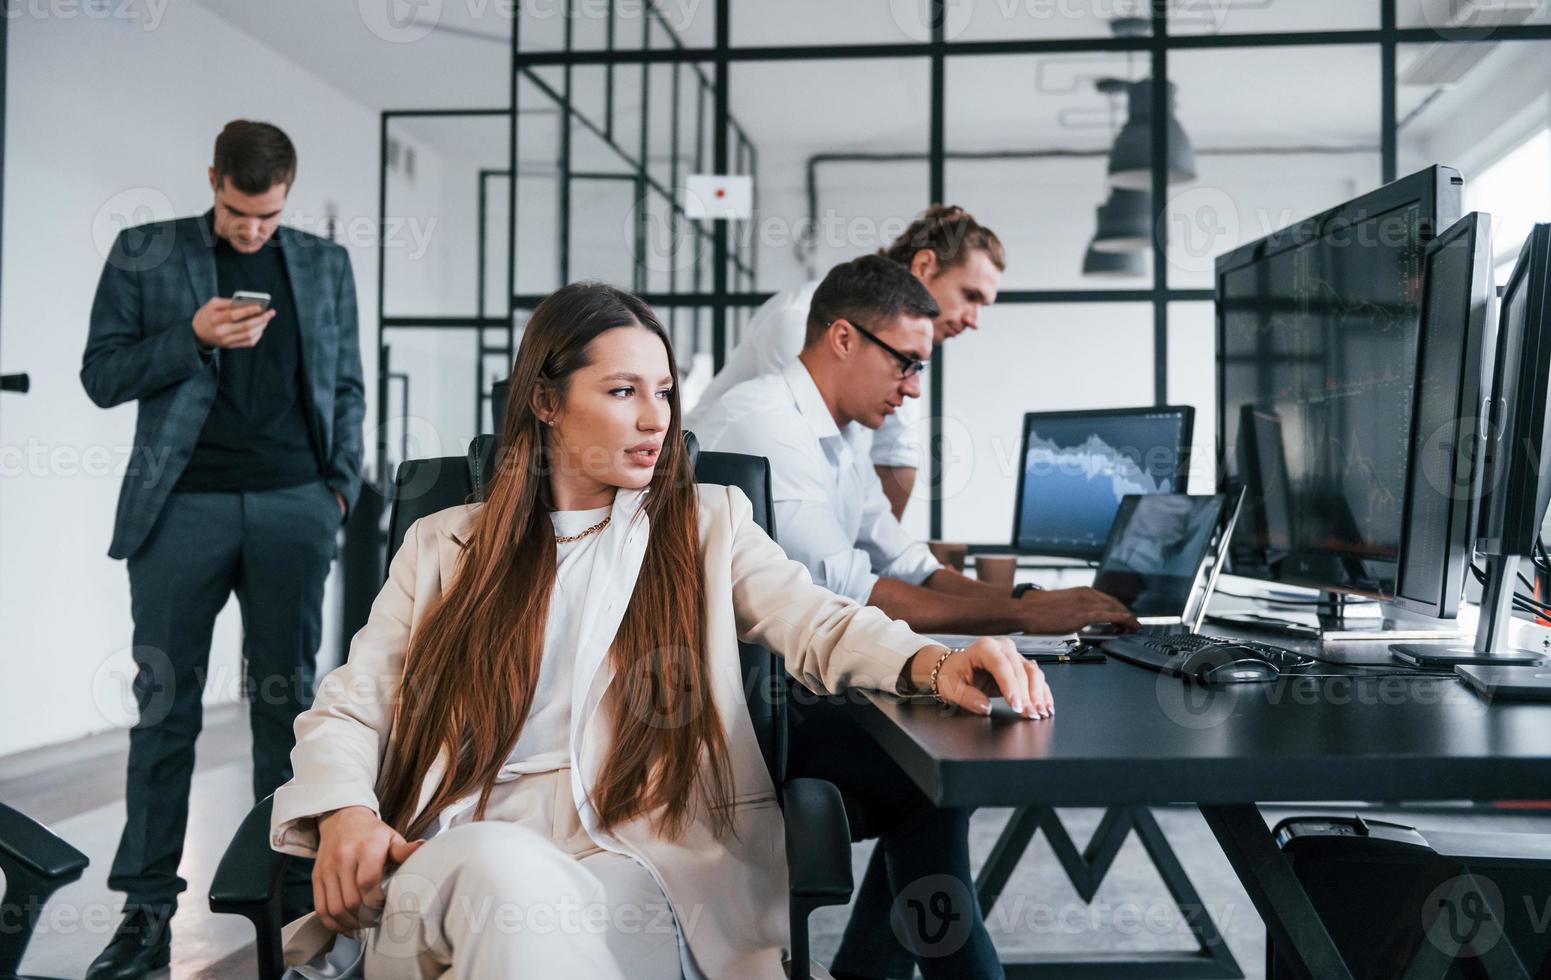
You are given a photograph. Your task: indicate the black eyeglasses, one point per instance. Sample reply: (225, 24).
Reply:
(908, 363)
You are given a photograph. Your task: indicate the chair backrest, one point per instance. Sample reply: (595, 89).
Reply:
(425, 486)
(421, 487)
(764, 679)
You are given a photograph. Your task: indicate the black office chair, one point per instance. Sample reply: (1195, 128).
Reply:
(36, 864)
(818, 840)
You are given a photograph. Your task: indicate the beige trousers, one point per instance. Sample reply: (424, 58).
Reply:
(523, 893)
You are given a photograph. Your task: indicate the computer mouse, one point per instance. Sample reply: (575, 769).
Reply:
(1228, 663)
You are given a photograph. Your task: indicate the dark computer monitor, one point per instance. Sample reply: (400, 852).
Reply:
(1516, 483)
(1317, 332)
(1076, 468)
(1263, 462)
(1455, 348)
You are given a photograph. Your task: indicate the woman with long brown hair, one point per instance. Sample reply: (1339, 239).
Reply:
(537, 760)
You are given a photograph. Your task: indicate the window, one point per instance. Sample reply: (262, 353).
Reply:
(1516, 191)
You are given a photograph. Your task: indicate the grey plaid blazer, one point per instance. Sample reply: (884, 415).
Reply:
(141, 346)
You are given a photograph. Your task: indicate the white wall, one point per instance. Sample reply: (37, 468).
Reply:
(111, 121)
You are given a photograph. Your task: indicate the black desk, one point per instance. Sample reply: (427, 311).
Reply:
(1126, 737)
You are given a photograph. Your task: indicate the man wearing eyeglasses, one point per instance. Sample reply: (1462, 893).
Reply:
(869, 334)
(959, 260)
(869, 337)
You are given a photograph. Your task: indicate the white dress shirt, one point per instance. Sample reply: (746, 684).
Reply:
(830, 511)
(772, 341)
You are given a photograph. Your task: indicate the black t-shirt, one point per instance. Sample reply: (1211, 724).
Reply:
(256, 436)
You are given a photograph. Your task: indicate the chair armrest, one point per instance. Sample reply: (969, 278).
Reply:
(248, 877)
(818, 842)
(28, 847)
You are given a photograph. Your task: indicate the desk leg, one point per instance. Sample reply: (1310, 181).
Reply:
(1086, 870)
(1290, 918)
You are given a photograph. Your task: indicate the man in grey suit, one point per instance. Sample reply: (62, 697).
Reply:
(247, 458)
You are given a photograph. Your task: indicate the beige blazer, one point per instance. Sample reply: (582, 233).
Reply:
(729, 896)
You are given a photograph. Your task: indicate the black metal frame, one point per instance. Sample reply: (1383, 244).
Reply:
(1387, 36)
(1086, 871)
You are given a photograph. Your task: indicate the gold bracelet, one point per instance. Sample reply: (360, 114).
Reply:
(937, 668)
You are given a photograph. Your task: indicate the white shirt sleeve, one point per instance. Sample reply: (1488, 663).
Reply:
(810, 534)
(897, 442)
(893, 551)
(807, 528)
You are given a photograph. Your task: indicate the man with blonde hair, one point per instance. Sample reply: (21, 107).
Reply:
(957, 259)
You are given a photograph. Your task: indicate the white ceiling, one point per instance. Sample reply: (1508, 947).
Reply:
(1226, 97)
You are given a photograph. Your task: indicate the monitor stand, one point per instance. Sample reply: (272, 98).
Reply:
(1493, 633)
(1344, 640)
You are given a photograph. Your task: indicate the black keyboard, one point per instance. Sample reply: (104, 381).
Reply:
(1163, 649)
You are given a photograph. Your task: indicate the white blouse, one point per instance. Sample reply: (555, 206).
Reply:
(545, 740)
(544, 744)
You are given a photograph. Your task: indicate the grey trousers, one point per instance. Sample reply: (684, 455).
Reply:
(273, 548)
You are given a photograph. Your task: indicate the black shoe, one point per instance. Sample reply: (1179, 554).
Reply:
(142, 943)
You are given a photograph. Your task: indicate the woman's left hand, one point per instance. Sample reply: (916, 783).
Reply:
(991, 665)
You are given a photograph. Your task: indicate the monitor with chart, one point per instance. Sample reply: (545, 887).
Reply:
(1076, 468)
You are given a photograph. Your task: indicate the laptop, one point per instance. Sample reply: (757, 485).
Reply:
(1162, 560)
(1164, 553)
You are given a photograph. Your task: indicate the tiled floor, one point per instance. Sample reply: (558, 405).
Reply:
(78, 790)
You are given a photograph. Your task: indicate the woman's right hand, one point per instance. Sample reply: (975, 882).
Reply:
(354, 848)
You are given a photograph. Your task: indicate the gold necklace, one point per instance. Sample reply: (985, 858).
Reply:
(568, 538)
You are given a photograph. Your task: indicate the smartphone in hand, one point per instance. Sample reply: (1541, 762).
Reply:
(259, 302)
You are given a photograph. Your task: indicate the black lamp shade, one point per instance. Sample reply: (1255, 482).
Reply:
(1130, 162)
(1114, 265)
(1125, 222)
